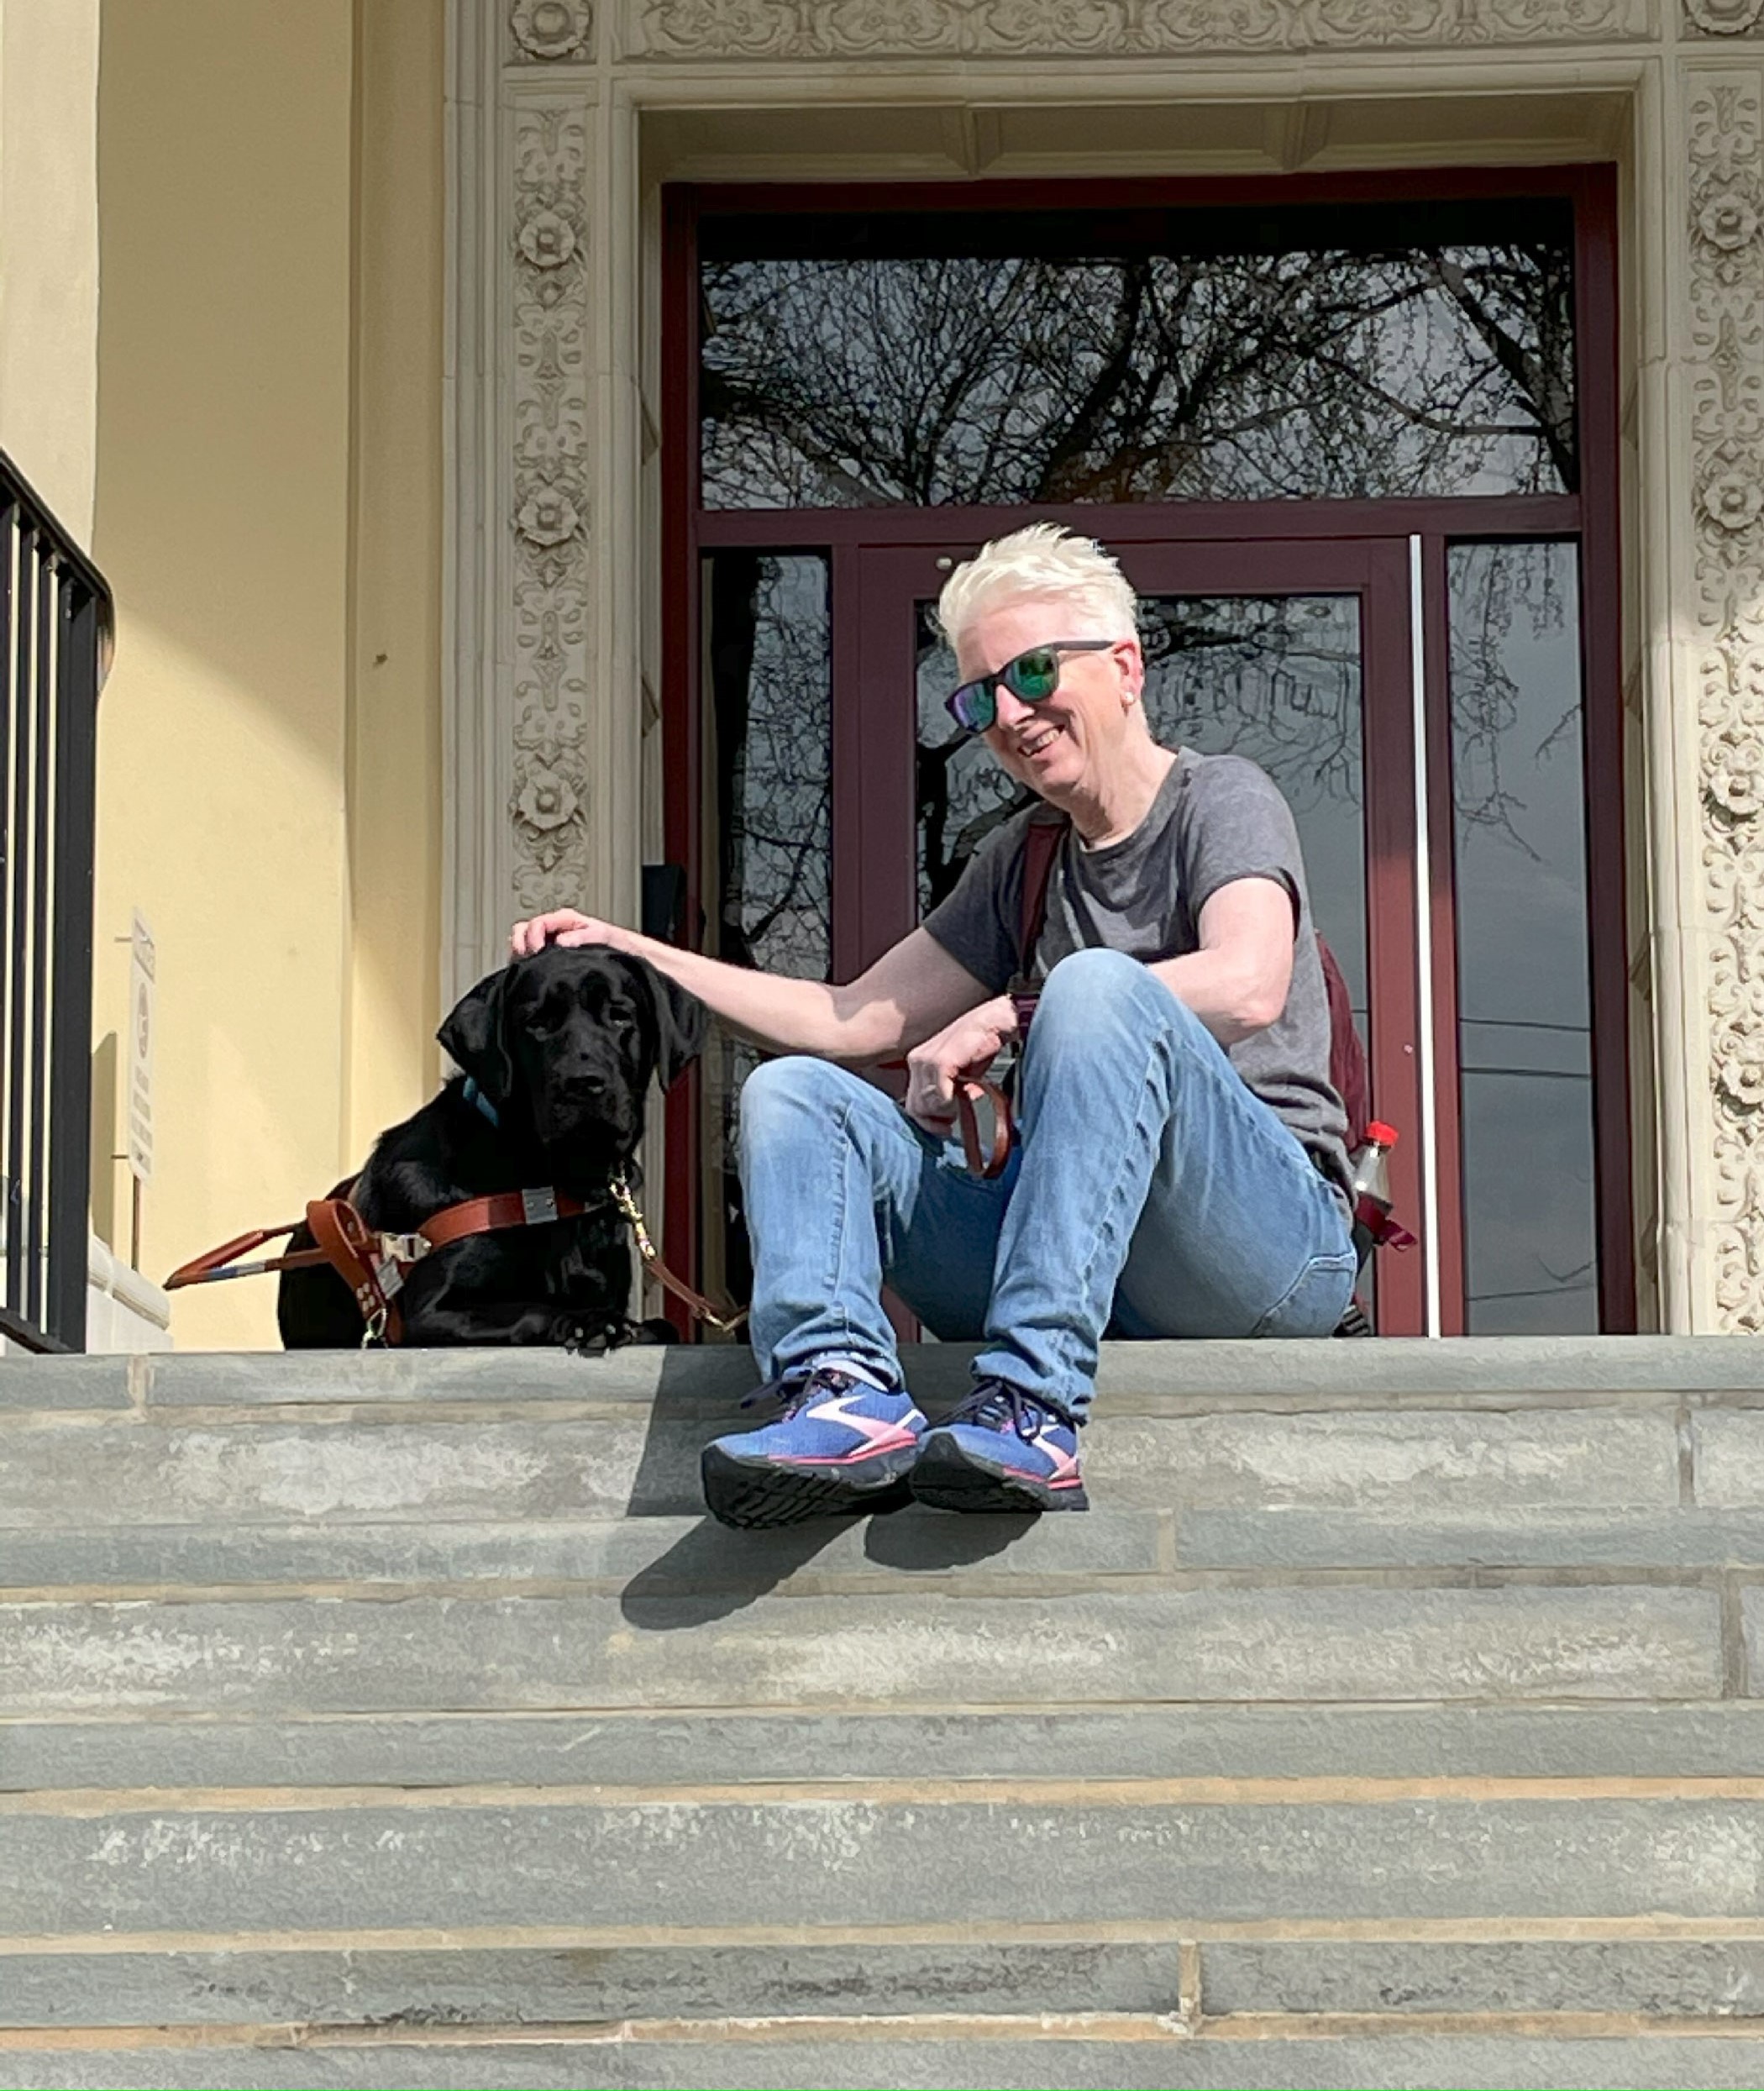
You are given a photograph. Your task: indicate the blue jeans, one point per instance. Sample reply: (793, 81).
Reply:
(1151, 1193)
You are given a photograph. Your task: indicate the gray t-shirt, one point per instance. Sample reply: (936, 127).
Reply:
(1215, 818)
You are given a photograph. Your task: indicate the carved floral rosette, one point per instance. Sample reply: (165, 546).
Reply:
(1725, 130)
(550, 523)
(1724, 18)
(1028, 28)
(548, 31)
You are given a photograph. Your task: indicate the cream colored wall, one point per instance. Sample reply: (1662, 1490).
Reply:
(267, 518)
(395, 641)
(49, 249)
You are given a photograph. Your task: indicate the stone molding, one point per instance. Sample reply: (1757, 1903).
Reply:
(1724, 135)
(527, 802)
(549, 522)
(1104, 29)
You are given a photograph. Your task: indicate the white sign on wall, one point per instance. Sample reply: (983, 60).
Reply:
(140, 1051)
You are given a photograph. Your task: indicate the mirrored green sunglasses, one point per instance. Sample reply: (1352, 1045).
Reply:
(1033, 676)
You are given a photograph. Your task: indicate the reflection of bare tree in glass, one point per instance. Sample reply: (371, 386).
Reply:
(771, 700)
(1274, 678)
(770, 730)
(1492, 588)
(963, 793)
(842, 383)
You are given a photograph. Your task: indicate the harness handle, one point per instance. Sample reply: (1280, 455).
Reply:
(220, 1263)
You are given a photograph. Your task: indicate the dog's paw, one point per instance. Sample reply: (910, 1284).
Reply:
(654, 1330)
(584, 1338)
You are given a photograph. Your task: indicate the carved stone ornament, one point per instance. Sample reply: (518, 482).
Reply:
(1726, 134)
(549, 525)
(1006, 28)
(552, 29)
(1724, 18)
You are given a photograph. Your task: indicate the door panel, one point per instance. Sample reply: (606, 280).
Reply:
(1294, 655)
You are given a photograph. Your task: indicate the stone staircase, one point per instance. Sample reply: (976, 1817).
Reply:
(394, 1719)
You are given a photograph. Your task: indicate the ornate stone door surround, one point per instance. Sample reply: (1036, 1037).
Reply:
(563, 119)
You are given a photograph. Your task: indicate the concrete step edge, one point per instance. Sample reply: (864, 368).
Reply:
(1131, 2057)
(1657, 1365)
(1716, 1738)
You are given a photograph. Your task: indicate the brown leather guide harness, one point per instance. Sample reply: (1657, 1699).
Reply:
(375, 1265)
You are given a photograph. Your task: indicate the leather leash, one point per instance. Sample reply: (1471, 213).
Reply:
(1040, 845)
(374, 1265)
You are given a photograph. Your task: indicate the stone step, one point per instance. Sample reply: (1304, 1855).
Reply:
(592, 1977)
(1719, 1739)
(375, 1718)
(565, 1977)
(1474, 1371)
(1121, 2054)
(912, 1548)
(61, 1474)
(1355, 1641)
(94, 1871)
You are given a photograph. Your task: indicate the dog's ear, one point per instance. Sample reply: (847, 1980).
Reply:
(681, 1019)
(475, 1036)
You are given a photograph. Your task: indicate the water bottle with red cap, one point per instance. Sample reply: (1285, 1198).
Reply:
(1369, 1169)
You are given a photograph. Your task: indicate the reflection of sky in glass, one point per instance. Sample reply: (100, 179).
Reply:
(1524, 1036)
(848, 381)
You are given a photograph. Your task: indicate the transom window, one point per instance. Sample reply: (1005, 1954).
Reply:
(986, 358)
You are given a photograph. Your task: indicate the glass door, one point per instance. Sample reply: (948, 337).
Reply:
(1296, 655)
(1356, 440)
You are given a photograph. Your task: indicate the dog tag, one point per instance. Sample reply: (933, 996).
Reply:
(538, 1206)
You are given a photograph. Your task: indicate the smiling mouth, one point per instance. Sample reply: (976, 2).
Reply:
(1030, 748)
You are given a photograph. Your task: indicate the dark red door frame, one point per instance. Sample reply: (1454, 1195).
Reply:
(688, 530)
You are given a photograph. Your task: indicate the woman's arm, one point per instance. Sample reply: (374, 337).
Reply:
(1236, 983)
(911, 991)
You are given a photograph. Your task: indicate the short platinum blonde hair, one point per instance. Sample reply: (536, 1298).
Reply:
(1044, 560)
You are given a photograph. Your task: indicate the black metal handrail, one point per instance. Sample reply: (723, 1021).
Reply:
(55, 637)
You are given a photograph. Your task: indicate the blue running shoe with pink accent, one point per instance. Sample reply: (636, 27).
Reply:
(1001, 1450)
(841, 1444)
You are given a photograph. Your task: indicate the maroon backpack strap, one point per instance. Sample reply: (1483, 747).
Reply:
(1047, 831)
(1349, 1075)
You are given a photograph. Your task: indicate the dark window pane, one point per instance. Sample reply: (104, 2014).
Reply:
(1277, 679)
(963, 793)
(1525, 1041)
(1227, 356)
(769, 769)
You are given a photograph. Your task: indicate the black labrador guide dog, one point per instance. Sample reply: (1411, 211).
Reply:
(558, 1051)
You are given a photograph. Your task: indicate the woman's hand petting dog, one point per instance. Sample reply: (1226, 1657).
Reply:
(569, 930)
(560, 1048)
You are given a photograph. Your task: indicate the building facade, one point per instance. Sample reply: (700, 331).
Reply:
(449, 496)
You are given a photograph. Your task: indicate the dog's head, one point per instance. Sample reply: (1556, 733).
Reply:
(570, 1039)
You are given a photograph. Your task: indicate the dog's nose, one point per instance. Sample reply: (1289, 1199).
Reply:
(590, 1086)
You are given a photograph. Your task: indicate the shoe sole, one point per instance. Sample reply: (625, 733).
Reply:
(948, 1477)
(754, 1494)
